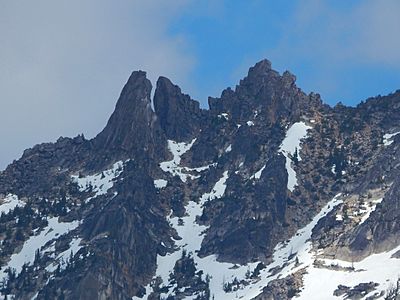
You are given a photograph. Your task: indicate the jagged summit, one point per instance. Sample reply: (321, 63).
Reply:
(263, 75)
(264, 90)
(266, 195)
(133, 126)
(261, 68)
(179, 115)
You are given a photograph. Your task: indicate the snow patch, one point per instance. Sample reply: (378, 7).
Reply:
(388, 138)
(299, 246)
(368, 209)
(218, 190)
(333, 169)
(223, 115)
(173, 166)
(99, 183)
(191, 238)
(228, 149)
(250, 123)
(9, 203)
(160, 183)
(64, 256)
(257, 175)
(290, 144)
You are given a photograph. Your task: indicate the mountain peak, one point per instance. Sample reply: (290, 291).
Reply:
(178, 114)
(133, 123)
(259, 75)
(260, 68)
(230, 203)
(265, 88)
(137, 87)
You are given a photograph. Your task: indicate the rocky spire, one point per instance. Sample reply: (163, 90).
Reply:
(263, 89)
(179, 115)
(260, 69)
(133, 127)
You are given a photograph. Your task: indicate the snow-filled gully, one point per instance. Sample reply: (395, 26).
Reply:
(289, 146)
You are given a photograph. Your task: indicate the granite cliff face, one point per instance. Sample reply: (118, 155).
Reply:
(180, 116)
(264, 195)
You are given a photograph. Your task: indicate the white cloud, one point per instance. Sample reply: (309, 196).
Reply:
(63, 63)
(362, 33)
(379, 25)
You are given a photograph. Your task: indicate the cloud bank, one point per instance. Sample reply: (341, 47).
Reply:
(63, 63)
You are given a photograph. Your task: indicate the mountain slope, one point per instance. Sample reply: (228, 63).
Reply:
(264, 195)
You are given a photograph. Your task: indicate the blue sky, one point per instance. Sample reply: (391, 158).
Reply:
(318, 41)
(63, 63)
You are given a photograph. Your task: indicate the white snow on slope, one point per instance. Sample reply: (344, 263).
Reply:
(320, 283)
(53, 230)
(173, 166)
(250, 123)
(62, 258)
(257, 175)
(291, 142)
(368, 209)
(218, 190)
(9, 203)
(228, 149)
(388, 138)
(101, 182)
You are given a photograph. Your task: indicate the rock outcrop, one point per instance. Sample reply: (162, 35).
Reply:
(240, 201)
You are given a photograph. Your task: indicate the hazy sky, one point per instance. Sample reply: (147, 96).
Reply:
(63, 63)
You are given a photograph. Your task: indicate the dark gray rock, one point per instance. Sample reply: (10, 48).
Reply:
(124, 229)
(180, 117)
(133, 129)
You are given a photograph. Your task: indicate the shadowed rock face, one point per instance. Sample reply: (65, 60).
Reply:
(180, 116)
(133, 128)
(127, 227)
(250, 203)
(125, 235)
(264, 89)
